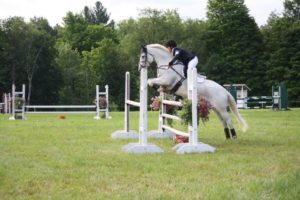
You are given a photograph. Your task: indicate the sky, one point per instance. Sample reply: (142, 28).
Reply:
(55, 10)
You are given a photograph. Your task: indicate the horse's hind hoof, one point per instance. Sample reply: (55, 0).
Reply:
(234, 137)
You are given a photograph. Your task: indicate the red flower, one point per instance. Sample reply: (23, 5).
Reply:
(203, 109)
(155, 105)
(181, 139)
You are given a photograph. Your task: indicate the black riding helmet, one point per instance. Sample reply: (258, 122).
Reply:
(171, 44)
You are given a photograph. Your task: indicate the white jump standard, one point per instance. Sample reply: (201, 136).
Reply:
(127, 133)
(142, 146)
(21, 108)
(193, 146)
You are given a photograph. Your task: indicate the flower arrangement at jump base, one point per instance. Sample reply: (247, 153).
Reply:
(156, 105)
(203, 111)
(203, 108)
(102, 104)
(19, 101)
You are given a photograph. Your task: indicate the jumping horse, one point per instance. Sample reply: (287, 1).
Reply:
(171, 79)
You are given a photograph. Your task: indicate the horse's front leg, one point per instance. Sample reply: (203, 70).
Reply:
(158, 83)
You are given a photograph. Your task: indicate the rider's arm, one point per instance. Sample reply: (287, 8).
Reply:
(176, 53)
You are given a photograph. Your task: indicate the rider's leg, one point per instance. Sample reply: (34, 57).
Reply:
(192, 64)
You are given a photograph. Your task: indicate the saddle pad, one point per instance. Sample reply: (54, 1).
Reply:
(201, 79)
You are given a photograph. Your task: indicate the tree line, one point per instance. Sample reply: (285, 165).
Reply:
(62, 64)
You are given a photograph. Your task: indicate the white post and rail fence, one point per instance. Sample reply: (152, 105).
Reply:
(18, 105)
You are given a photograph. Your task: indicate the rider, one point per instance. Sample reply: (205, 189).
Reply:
(188, 59)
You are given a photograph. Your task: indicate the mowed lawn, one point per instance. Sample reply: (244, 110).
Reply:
(45, 157)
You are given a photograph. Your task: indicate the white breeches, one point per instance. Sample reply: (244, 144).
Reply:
(193, 63)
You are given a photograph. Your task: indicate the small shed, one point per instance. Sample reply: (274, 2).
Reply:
(239, 92)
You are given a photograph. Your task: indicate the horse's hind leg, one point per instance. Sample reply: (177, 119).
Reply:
(227, 133)
(233, 133)
(226, 129)
(228, 120)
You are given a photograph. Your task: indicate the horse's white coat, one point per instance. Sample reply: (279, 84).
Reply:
(217, 95)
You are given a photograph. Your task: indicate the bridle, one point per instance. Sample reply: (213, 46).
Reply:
(146, 62)
(163, 67)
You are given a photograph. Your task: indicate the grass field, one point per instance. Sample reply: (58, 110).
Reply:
(45, 157)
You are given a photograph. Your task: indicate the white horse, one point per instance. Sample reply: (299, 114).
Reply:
(172, 79)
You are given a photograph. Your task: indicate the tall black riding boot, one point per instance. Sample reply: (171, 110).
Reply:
(227, 134)
(233, 133)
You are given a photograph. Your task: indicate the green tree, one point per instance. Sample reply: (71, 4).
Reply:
(72, 32)
(292, 9)
(5, 71)
(85, 35)
(29, 47)
(69, 62)
(97, 15)
(13, 54)
(102, 65)
(237, 43)
(282, 39)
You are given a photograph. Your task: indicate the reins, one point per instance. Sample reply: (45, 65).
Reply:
(182, 78)
(166, 67)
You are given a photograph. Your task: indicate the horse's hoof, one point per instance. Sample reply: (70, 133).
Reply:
(234, 137)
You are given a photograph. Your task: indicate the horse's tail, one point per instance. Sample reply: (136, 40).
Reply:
(237, 114)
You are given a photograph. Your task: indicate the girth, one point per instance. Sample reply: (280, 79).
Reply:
(177, 85)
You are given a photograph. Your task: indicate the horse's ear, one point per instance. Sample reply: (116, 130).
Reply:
(144, 49)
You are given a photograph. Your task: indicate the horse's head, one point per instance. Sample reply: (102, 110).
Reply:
(167, 76)
(146, 58)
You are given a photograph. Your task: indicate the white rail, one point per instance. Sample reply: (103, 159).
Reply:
(61, 106)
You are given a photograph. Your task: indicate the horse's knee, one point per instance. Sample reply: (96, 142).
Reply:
(161, 89)
(149, 82)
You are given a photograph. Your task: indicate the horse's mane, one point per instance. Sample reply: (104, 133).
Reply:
(159, 46)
